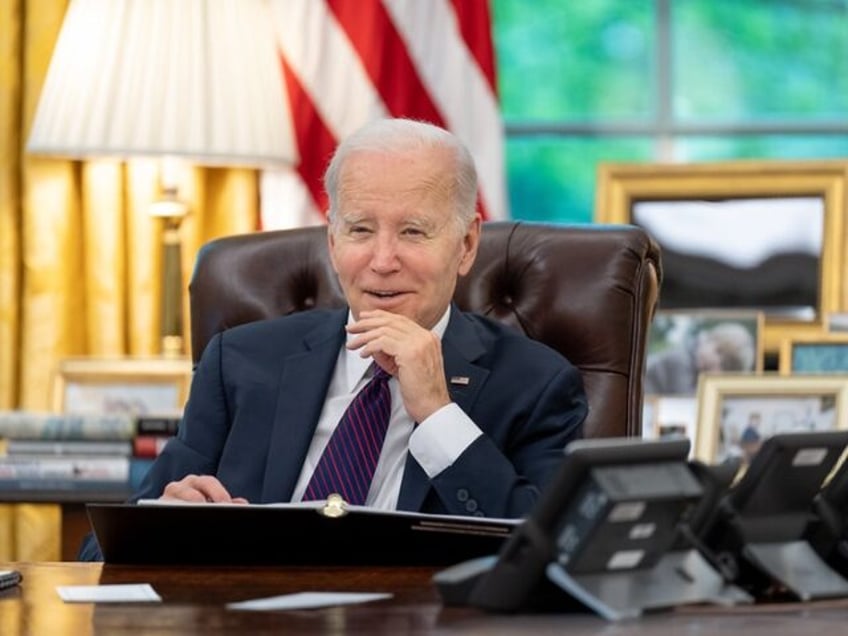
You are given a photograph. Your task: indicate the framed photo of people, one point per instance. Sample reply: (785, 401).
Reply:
(761, 235)
(684, 344)
(737, 412)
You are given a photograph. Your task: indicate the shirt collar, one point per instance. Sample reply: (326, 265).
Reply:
(356, 366)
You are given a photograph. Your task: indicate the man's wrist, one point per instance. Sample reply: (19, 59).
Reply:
(439, 440)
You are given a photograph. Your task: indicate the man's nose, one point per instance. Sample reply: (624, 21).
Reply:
(385, 255)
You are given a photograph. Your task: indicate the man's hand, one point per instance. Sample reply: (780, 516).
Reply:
(199, 489)
(407, 351)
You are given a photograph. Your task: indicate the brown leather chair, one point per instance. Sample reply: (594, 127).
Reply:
(587, 291)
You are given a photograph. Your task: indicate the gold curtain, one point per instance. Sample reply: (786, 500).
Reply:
(79, 254)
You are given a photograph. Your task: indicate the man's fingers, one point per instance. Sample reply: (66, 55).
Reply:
(370, 320)
(197, 488)
(386, 362)
(176, 491)
(212, 489)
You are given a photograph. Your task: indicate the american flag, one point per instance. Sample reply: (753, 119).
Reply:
(346, 62)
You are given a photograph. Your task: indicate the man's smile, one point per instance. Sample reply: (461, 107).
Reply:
(379, 293)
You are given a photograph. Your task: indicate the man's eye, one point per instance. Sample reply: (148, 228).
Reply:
(359, 229)
(413, 231)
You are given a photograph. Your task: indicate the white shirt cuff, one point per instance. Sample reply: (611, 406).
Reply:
(441, 438)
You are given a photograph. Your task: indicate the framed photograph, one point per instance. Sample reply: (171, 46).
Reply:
(761, 235)
(684, 344)
(825, 353)
(138, 386)
(737, 412)
(649, 416)
(837, 322)
(669, 416)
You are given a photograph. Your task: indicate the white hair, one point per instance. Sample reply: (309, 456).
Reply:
(400, 135)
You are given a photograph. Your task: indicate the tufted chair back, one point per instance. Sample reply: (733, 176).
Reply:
(588, 291)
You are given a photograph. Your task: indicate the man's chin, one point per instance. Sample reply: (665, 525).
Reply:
(394, 305)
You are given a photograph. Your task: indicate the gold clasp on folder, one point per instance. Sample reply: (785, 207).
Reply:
(335, 506)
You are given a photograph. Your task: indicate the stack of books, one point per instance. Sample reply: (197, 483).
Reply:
(152, 432)
(102, 456)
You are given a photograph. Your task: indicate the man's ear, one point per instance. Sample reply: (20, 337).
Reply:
(331, 245)
(470, 243)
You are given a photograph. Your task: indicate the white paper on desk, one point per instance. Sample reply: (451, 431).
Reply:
(306, 600)
(130, 593)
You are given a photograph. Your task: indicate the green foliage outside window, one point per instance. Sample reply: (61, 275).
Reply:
(581, 82)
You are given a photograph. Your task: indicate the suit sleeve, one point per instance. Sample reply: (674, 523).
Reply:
(198, 444)
(505, 481)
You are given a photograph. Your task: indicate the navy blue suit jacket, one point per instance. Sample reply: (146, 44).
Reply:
(259, 389)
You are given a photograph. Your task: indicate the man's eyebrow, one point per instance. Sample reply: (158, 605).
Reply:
(353, 217)
(419, 221)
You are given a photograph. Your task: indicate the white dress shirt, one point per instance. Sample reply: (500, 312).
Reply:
(435, 443)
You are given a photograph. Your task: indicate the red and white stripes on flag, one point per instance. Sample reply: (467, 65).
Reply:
(346, 62)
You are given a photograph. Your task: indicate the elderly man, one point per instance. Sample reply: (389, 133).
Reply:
(468, 416)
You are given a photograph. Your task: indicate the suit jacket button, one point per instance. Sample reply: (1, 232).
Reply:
(471, 505)
(462, 494)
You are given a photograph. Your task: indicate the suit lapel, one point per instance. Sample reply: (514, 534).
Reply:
(300, 397)
(461, 345)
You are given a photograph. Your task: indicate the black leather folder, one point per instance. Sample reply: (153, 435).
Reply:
(215, 534)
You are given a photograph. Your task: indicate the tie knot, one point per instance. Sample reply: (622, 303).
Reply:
(380, 374)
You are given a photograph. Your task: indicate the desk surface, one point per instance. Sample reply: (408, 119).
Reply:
(194, 599)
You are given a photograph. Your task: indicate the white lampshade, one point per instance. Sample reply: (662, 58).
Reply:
(195, 79)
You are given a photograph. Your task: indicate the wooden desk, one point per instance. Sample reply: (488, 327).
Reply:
(194, 599)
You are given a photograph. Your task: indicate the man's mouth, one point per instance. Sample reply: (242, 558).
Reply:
(383, 294)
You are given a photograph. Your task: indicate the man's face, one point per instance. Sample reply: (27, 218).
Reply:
(396, 244)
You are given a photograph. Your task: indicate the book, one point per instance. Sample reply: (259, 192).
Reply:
(112, 490)
(41, 484)
(149, 445)
(46, 447)
(105, 469)
(66, 426)
(157, 424)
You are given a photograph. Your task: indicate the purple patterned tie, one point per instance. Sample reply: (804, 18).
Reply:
(351, 455)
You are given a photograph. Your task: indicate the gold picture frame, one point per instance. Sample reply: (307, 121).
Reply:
(814, 353)
(621, 186)
(137, 386)
(727, 405)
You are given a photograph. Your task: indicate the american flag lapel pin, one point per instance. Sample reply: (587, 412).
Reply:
(461, 380)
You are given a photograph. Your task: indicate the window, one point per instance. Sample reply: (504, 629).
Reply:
(663, 80)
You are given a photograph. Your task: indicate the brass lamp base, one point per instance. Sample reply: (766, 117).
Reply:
(172, 346)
